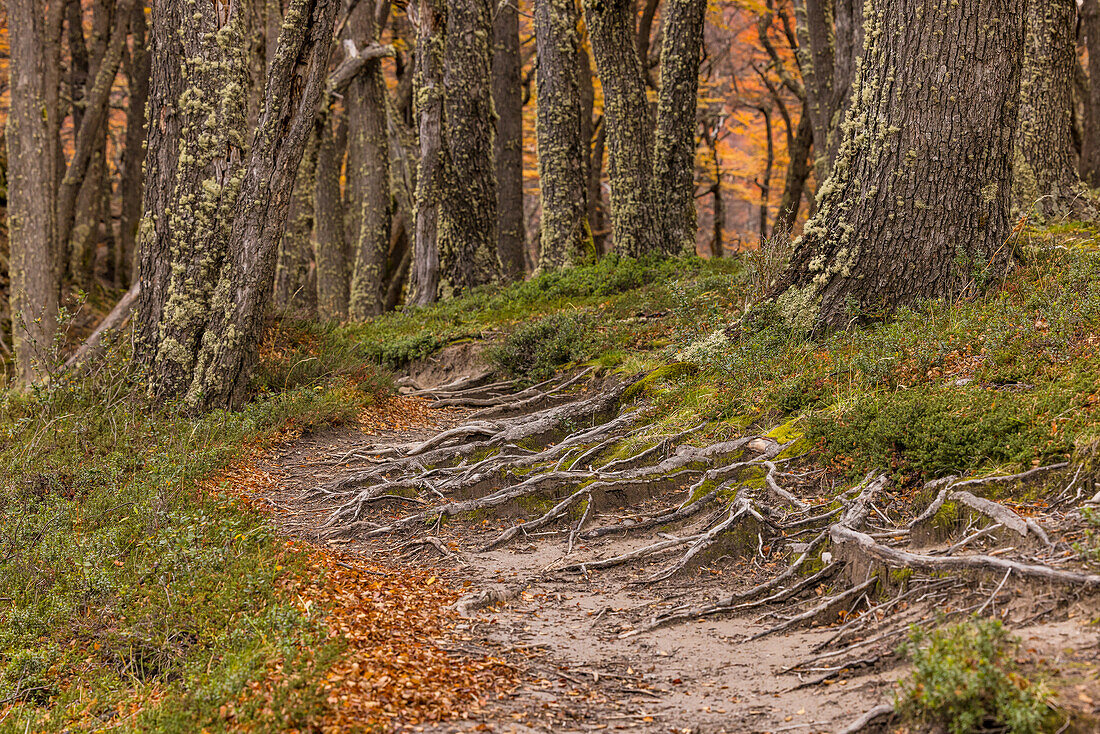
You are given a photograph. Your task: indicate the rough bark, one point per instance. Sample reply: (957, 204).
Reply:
(163, 130)
(565, 234)
(202, 182)
(629, 122)
(429, 177)
(223, 217)
(295, 84)
(918, 203)
(328, 216)
(369, 158)
(1045, 170)
(133, 152)
(30, 193)
(1090, 155)
(508, 145)
(468, 207)
(674, 139)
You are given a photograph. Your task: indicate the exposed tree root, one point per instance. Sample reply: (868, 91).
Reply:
(708, 500)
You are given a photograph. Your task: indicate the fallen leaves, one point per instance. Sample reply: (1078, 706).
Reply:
(395, 671)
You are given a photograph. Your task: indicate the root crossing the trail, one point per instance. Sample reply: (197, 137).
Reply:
(573, 465)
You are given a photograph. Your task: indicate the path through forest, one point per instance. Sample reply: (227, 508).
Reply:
(649, 642)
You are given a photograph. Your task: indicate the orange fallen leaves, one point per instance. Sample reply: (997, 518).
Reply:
(394, 670)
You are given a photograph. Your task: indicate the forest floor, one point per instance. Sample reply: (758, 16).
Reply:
(692, 526)
(561, 646)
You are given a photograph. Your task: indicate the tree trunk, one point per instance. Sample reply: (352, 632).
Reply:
(468, 206)
(328, 217)
(164, 128)
(1090, 157)
(798, 171)
(369, 158)
(508, 146)
(292, 269)
(31, 194)
(133, 152)
(830, 38)
(89, 135)
(429, 178)
(629, 122)
(1045, 170)
(674, 152)
(765, 187)
(224, 216)
(295, 84)
(203, 182)
(918, 203)
(565, 235)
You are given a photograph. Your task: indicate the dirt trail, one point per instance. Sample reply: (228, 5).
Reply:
(571, 633)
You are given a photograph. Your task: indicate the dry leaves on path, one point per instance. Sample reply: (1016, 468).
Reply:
(395, 671)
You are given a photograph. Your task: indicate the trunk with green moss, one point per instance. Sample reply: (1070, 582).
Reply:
(674, 152)
(1045, 171)
(424, 285)
(508, 102)
(467, 237)
(202, 181)
(918, 203)
(629, 121)
(226, 211)
(31, 193)
(369, 167)
(163, 131)
(295, 84)
(565, 235)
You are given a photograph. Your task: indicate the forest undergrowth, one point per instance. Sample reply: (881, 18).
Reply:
(139, 593)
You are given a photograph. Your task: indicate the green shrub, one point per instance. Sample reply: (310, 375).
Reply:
(965, 679)
(534, 351)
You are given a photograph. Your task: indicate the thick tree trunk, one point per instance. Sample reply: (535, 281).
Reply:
(133, 152)
(565, 235)
(798, 171)
(1045, 171)
(164, 128)
(31, 192)
(295, 84)
(468, 207)
(224, 217)
(202, 181)
(629, 122)
(1090, 155)
(918, 203)
(329, 251)
(508, 146)
(674, 152)
(429, 178)
(369, 158)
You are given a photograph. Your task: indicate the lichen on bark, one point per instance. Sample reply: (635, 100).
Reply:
(917, 205)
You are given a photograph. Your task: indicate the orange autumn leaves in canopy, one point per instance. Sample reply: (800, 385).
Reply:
(731, 90)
